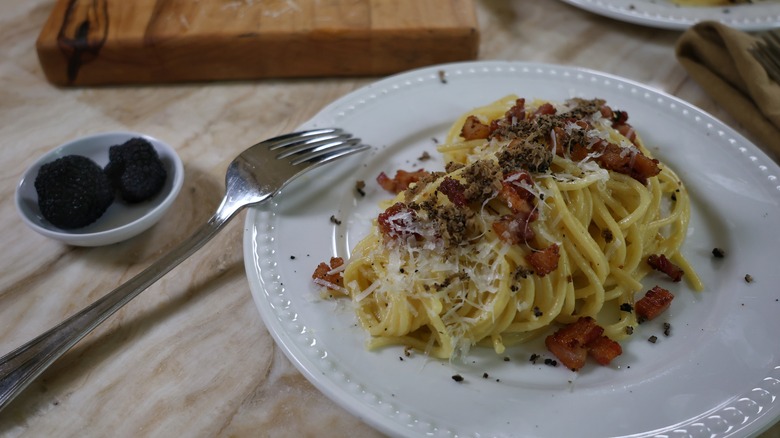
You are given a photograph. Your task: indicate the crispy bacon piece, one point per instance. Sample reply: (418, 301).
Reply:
(545, 108)
(643, 168)
(515, 199)
(626, 131)
(398, 221)
(613, 157)
(578, 152)
(385, 182)
(518, 199)
(603, 350)
(619, 122)
(517, 112)
(400, 181)
(634, 164)
(544, 261)
(513, 116)
(322, 272)
(454, 190)
(558, 140)
(513, 229)
(655, 302)
(617, 117)
(473, 129)
(517, 177)
(572, 355)
(572, 344)
(583, 124)
(659, 262)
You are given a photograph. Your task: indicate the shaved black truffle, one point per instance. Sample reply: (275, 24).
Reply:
(73, 191)
(135, 170)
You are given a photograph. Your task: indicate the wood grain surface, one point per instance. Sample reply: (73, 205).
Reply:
(99, 42)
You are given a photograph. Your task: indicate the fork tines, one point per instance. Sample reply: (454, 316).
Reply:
(316, 146)
(294, 138)
(767, 53)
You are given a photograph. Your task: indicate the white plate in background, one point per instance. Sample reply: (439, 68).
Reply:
(665, 14)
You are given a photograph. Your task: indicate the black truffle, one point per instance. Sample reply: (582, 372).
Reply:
(73, 191)
(135, 170)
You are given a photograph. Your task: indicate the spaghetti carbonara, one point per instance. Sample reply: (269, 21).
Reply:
(546, 213)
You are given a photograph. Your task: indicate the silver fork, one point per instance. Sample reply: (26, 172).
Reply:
(255, 176)
(767, 53)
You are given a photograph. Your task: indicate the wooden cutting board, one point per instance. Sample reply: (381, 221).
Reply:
(99, 42)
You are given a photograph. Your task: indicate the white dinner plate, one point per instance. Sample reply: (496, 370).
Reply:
(718, 372)
(665, 14)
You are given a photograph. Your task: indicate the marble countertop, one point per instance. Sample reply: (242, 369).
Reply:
(191, 356)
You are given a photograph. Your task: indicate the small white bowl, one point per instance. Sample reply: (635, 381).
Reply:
(122, 220)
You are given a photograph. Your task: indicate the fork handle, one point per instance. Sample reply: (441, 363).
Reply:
(22, 365)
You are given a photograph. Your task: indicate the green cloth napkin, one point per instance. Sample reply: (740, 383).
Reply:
(718, 58)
